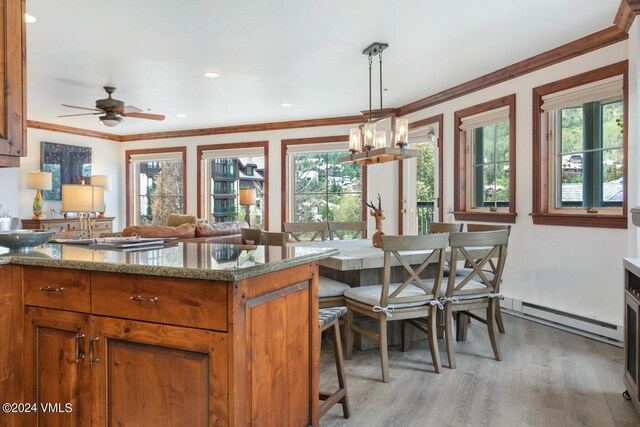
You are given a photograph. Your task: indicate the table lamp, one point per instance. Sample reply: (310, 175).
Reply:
(103, 181)
(38, 181)
(247, 199)
(82, 199)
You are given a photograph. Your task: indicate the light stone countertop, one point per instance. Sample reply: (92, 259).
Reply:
(207, 261)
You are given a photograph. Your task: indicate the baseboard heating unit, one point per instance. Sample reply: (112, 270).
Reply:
(590, 328)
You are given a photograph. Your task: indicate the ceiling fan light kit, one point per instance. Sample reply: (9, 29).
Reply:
(111, 111)
(368, 143)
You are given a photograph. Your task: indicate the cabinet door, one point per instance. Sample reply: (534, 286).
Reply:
(12, 82)
(631, 344)
(146, 374)
(57, 375)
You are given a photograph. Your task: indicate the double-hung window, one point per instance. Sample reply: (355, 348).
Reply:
(225, 170)
(156, 185)
(319, 189)
(485, 159)
(579, 136)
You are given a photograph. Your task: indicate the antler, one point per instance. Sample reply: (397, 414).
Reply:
(379, 202)
(370, 204)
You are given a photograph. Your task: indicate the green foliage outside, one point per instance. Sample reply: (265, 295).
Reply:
(425, 169)
(164, 195)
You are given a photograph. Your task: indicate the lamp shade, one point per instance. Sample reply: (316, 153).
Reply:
(103, 181)
(39, 180)
(247, 196)
(82, 198)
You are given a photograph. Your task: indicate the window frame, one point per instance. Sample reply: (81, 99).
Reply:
(130, 180)
(462, 209)
(286, 178)
(544, 211)
(203, 178)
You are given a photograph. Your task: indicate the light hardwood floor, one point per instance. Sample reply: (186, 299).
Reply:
(548, 378)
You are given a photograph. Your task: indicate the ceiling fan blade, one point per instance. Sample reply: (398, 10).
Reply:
(82, 114)
(81, 108)
(131, 109)
(145, 116)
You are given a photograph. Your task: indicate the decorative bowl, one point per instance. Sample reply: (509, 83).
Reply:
(24, 240)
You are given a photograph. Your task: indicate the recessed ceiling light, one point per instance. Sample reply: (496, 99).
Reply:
(286, 104)
(181, 115)
(30, 19)
(211, 75)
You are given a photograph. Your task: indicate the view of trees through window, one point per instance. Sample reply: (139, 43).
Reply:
(589, 155)
(160, 191)
(425, 183)
(325, 190)
(490, 165)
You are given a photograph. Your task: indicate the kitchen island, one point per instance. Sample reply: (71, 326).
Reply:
(188, 335)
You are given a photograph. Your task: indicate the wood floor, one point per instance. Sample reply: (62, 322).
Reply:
(548, 378)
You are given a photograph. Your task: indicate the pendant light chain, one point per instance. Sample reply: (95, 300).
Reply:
(380, 116)
(370, 63)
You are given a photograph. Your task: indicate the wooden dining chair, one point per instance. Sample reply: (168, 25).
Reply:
(273, 238)
(487, 227)
(329, 321)
(411, 299)
(445, 227)
(250, 236)
(338, 230)
(474, 290)
(298, 230)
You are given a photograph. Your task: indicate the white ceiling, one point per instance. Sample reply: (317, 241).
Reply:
(273, 51)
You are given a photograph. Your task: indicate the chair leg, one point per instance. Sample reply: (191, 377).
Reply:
(440, 317)
(499, 319)
(448, 327)
(491, 320)
(348, 333)
(407, 335)
(433, 341)
(462, 323)
(384, 353)
(342, 379)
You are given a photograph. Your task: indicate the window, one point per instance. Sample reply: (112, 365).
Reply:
(156, 185)
(225, 169)
(579, 158)
(319, 188)
(485, 155)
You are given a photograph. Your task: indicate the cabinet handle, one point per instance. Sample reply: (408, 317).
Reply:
(93, 360)
(79, 354)
(52, 289)
(140, 298)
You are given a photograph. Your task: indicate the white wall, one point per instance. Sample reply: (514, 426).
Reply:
(106, 161)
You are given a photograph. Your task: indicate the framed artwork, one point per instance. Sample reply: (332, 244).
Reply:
(68, 164)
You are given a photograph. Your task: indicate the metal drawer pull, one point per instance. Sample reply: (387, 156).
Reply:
(79, 354)
(140, 298)
(52, 289)
(93, 360)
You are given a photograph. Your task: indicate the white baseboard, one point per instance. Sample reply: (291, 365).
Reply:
(597, 330)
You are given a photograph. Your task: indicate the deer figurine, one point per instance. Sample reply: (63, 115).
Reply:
(377, 213)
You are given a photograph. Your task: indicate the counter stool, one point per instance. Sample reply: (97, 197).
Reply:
(328, 318)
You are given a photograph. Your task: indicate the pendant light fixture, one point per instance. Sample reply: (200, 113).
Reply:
(368, 144)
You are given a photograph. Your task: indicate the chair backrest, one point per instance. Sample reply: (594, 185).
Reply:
(487, 227)
(445, 227)
(394, 245)
(273, 238)
(318, 230)
(339, 230)
(478, 250)
(250, 235)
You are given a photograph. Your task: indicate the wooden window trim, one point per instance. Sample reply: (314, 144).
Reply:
(129, 179)
(541, 213)
(284, 198)
(223, 146)
(439, 120)
(460, 209)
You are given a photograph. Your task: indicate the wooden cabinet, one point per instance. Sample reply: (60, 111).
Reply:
(632, 337)
(162, 351)
(13, 141)
(69, 228)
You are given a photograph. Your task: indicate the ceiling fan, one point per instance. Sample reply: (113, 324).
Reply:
(112, 111)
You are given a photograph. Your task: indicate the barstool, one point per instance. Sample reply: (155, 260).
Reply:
(328, 318)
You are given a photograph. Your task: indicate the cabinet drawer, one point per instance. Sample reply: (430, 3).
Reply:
(57, 288)
(58, 227)
(172, 301)
(102, 226)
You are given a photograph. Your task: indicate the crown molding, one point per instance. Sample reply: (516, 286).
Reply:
(626, 14)
(73, 131)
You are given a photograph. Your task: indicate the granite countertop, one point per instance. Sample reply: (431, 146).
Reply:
(207, 261)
